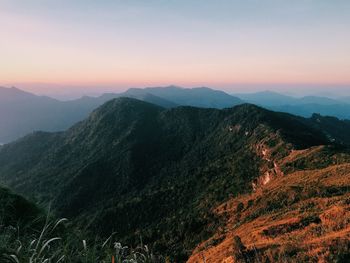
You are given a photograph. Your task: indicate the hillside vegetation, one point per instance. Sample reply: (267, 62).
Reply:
(301, 217)
(147, 172)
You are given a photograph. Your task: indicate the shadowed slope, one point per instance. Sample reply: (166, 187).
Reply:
(134, 167)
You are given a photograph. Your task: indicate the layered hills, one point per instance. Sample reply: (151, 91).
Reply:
(198, 97)
(169, 175)
(304, 106)
(22, 112)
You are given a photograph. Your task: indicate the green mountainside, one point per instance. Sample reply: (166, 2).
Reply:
(336, 130)
(18, 217)
(138, 169)
(16, 210)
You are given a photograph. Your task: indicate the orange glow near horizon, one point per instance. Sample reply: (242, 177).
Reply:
(97, 71)
(125, 45)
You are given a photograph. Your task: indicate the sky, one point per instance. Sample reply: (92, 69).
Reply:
(78, 47)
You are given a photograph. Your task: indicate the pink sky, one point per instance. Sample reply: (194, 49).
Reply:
(93, 47)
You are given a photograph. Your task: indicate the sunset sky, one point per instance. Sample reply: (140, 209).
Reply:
(90, 46)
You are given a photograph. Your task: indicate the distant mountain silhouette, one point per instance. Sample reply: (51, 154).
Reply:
(270, 98)
(197, 97)
(267, 98)
(345, 99)
(341, 111)
(305, 106)
(22, 112)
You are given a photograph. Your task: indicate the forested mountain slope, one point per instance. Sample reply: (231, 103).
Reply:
(140, 169)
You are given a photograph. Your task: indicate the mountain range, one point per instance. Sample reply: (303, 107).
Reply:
(190, 180)
(271, 98)
(22, 112)
(304, 106)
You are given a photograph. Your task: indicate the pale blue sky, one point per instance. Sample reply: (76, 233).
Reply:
(119, 44)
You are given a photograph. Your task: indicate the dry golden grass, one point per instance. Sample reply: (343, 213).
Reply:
(301, 217)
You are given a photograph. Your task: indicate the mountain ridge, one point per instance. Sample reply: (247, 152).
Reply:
(300, 217)
(22, 112)
(137, 167)
(304, 106)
